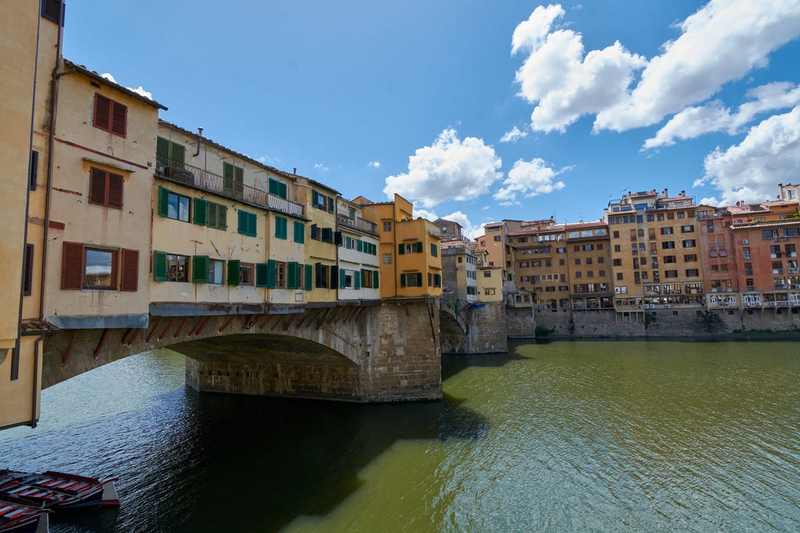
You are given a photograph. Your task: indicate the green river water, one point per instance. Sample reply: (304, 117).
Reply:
(562, 436)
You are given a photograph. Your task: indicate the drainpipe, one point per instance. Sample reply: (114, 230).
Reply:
(35, 390)
(199, 139)
(15, 355)
(50, 156)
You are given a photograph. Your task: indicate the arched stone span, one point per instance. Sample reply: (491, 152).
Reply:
(384, 352)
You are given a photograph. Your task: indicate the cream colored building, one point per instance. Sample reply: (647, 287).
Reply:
(359, 268)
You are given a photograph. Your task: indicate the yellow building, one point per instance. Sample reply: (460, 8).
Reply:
(319, 202)
(410, 254)
(225, 229)
(589, 264)
(655, 251)
(358, 241)
(539, 264)
(22, 39)
(490, 283)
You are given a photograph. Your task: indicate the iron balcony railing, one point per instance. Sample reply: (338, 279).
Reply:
(180, 172)
(359, 223)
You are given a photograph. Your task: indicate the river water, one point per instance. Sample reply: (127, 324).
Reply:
(565, 436)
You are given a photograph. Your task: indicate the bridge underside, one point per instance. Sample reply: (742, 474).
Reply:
(378, 353)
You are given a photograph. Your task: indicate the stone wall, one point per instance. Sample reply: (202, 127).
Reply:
(487, 330)
(521, 323)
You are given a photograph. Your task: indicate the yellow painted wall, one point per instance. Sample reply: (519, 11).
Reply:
(79, 145)
(494, 280)
(287, 250)
(317, 251)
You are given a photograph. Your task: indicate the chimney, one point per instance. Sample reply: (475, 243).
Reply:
(665, 193)
(294, 171)
(683, 194)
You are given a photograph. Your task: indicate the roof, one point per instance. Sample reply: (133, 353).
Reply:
(116, 86)
(771, 224)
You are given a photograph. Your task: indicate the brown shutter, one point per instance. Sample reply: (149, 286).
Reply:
(115, 186)
(97, 187)
(102, 112)
(27, 280)
(72, 266)
(120, 119)
(130, 271)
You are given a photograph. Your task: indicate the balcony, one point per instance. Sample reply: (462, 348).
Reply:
(358, 223)
(204, 180)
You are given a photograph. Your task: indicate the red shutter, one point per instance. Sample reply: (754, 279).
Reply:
(97, 186)
(102, 112)
(72, 266)
(130, 271)
(115, 186)
(120, 119)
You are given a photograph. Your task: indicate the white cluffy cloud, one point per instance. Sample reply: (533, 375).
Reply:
(696, 121)
(320, 166)
(449, 169)
(138, 90)
(374, 164)
(529, 179)
(513, 136)
(468, 229)
(751, 170)
(560, 79)
(722, 41)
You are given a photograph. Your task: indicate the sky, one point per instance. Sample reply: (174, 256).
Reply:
(476, 111)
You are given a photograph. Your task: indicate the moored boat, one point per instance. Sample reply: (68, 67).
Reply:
(18, 516)
(56, 490)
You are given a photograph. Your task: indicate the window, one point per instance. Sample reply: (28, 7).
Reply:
(348, 279)
(689, 243)
(666, 231)
(387, 259)
(668, 245)
(171, 205)
(327, 235)
(33, 170)
(412, 279)
(216, 269)
(27, 271)
(53, 10)
(487, 273)
(109, 115)
(435, 250)
(577, 260)
(746, 253)
(217, 215)
(692, 272)
(321, 201)
(322, 275)
(280, 227)
(246, 274)
(278, 188)
(249, 221)
(497, 238)
(617, 248)
(387, 226)
(299, 232)
(232, 180)
(177, 268)
(105, 189)
(687, 229)
(460, 259)
(169, 154)
(670, 273)
(617, 262)
(101, 269)
(280, 275)
(619, 276)
(95, 268)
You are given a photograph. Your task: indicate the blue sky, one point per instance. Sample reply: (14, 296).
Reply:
(417, 96)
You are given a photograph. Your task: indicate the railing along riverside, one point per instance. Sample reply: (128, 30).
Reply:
(181, 172)
(359, 223)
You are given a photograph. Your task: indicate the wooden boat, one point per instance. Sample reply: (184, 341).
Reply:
(18, 516)
(56, 490)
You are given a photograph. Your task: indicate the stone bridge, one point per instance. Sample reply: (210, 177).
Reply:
(379, 351)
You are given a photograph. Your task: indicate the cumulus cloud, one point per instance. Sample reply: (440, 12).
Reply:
(268, 160)
(528, 179)
(138, 90)
(711, 200)
(320, 166)
(424, 213)
(722, 41)
(513, 136)
(108, 76)
(751, 170)
(374, 164)
(560, 79)
(449, 169)
(696, 121)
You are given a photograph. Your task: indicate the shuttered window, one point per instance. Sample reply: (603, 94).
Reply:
(233, 178)
(33, 170)
(293, 276)
(299, 232)
(159, 266)
(234, 272)
(308, 282)
(27, 269)
(105, 188)
(170, 154)
(200, 269)
(110, 115)
(248, 222)
(171, 205)
(129, 275)
(217, 216)
(53, 10)
(278, 188)
(200, 212)
(280, 227)
(72, 266)
(262, 274)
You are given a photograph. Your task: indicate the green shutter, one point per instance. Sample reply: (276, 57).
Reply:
(162, 151)
(401, 249)
(252, 224)
(330, 204)
(402, 280)
(292, 276)
(239, 178)
(357, 278)
(273, 186)
(282, 190)
(271, 274)
(178, 155)
(200, 212)
(159, 266)
(247, 223)
(376, 280)
(314, 196)
(200, 269)
(342, 278)
(299, 232)
(222, 211)
(308, 277)
(233, 272)
(163, 201)
(227, 175)
(418, 247)
(262, 274)
(280, 227)
(359, 245)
